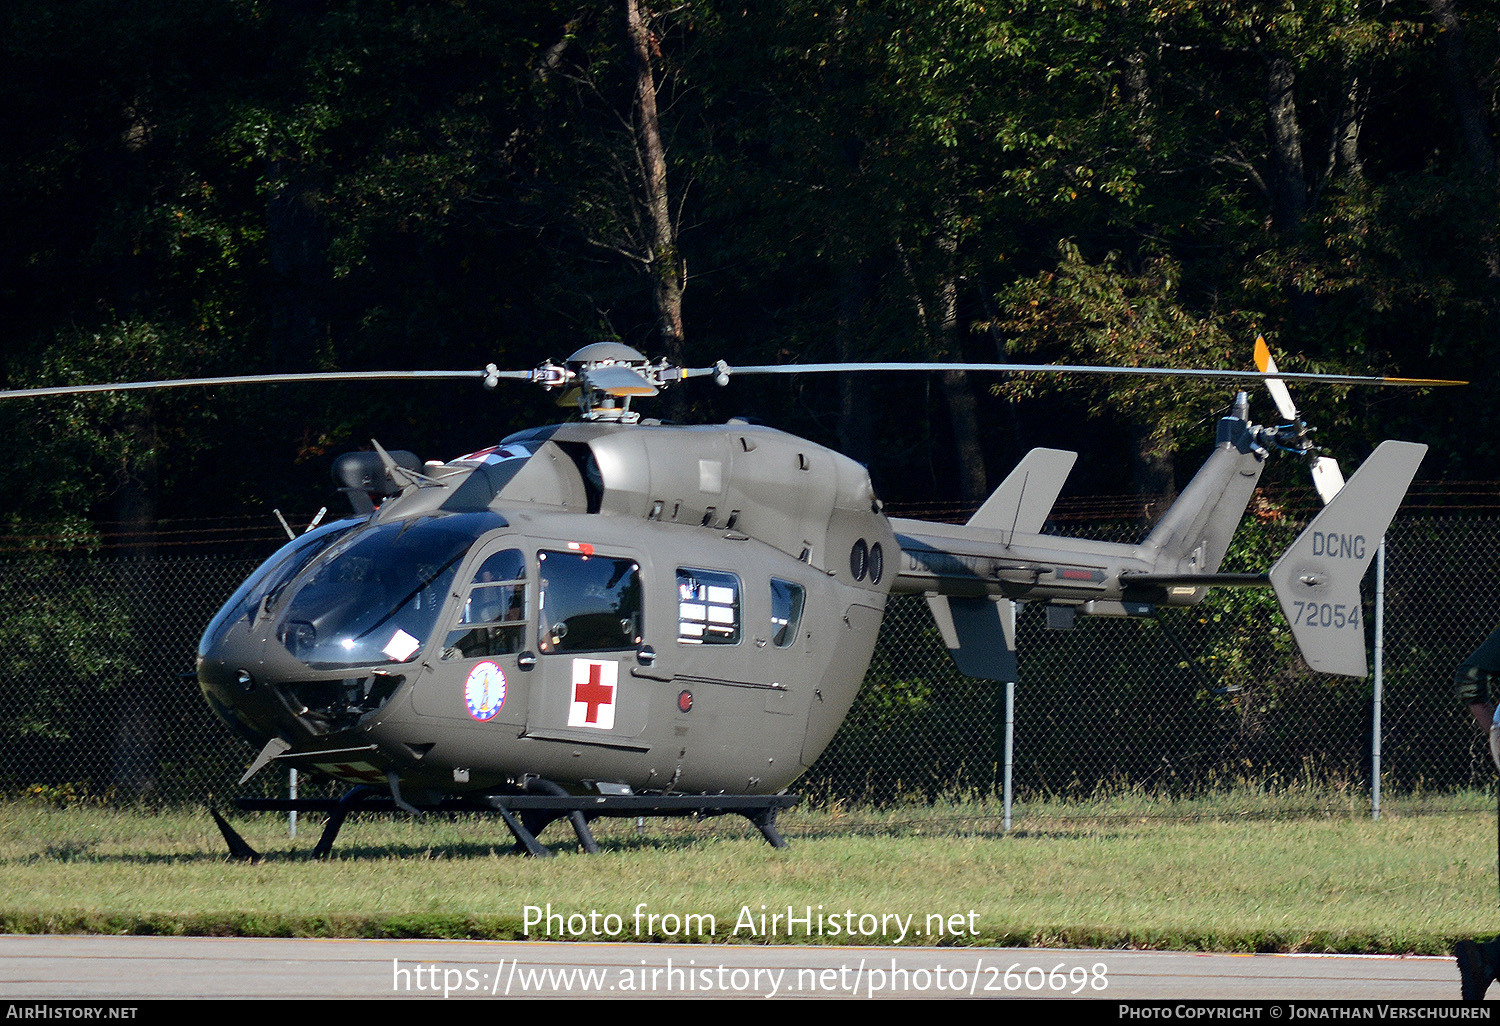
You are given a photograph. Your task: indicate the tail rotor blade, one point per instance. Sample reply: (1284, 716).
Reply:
(1275, 386)
(1327, 478)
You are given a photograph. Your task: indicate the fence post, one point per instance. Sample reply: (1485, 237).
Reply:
(1010, 736)
(1379, 679)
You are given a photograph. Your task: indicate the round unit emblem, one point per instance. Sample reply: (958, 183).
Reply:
(484, 691)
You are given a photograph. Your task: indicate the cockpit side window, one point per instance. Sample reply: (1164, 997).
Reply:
(492, 620)
(708, 607)
(786, 612)
(587, 603)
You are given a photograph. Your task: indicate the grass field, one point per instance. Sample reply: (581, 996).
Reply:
(1243, 873)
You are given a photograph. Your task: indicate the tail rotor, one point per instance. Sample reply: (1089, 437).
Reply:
(1294, 435)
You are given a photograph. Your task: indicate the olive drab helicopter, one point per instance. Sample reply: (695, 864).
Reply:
(616, 616)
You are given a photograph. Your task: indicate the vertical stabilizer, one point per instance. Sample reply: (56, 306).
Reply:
(1317, 579)
(1025, 498)
(980, 632)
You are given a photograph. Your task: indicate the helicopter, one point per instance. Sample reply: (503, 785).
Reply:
(615, 616)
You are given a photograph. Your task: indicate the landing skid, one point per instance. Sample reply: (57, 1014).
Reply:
(525, 815)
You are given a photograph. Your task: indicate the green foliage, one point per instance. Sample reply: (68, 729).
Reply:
(73, 454)
(70, 645)
(1102, 314)
(65, 796)
(912, 731)
(272, 186)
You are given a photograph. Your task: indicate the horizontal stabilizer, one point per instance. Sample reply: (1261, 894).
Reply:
(1025, 498)
(980, 634)
(1317, 580)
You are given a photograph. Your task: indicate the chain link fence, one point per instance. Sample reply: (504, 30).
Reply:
(97, 696)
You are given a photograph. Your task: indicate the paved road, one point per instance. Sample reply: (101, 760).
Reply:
(126, 968)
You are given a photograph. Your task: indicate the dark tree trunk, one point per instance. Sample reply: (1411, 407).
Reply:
(297, 244)
(963, 406)
(1344, 155)
(856, 413)
(1153, 470)
(665, 265)
(936, 307)
(963, 414)
(133, 759)
(1473, 120)
(1287, 183)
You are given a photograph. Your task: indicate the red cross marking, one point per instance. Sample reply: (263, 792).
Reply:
(593, 693)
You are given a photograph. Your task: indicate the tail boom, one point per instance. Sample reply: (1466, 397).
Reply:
(1172, 566)
(972, 575)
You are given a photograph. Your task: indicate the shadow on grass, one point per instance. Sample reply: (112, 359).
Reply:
(958, 829)
(88, 851)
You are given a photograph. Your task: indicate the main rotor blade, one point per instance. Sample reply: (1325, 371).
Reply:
(267, 379)
(1058, 368)
(490, 375)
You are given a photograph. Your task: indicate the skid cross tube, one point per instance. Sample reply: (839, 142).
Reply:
(526, 815)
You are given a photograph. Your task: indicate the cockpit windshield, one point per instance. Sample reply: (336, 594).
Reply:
(375, 597)
(290, 560)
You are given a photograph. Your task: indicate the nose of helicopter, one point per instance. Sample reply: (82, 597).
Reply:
(262, 690)
(235, 683)
(318, 640)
